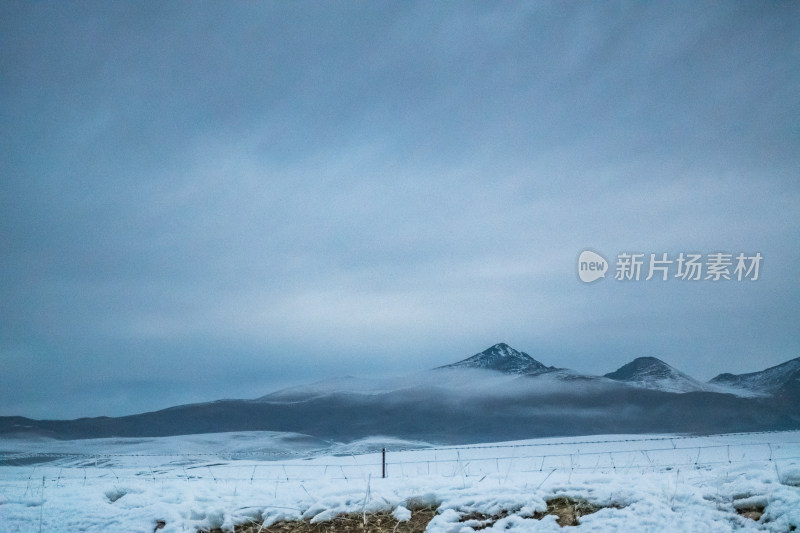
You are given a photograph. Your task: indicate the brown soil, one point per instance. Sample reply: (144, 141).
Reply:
(753, 512)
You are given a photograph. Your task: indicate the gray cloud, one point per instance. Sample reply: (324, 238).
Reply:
(213, 201)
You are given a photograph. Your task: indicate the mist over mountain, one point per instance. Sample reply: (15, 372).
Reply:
(497, 394)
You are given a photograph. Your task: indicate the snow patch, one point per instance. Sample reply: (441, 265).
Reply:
(401, 514)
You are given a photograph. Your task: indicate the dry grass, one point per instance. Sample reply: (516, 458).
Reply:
(567, 511)
(380, 522)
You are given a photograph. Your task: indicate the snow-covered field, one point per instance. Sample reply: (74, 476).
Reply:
(641, 482)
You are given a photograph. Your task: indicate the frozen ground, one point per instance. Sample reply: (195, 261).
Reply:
(641, 482)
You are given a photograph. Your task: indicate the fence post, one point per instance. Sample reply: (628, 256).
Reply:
(383, 462)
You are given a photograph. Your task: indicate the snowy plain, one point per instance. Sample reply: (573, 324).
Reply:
(640, 482)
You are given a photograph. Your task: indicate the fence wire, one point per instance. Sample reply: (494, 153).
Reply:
(599, 456)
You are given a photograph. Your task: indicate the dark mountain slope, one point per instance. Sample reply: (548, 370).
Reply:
(502, 358)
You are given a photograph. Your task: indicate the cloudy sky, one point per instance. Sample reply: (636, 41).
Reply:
(216, 200)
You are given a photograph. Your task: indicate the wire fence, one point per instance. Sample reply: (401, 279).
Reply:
(609, 456)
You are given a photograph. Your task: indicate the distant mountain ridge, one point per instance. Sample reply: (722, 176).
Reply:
(770, 381)
(497, 394)
(653, 373)
(502, 358)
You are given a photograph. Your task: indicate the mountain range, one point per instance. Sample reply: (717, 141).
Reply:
(497, 394)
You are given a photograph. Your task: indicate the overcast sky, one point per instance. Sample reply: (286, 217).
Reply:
(218, 199)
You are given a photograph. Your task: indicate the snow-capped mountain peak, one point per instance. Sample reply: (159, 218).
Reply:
(767, 381)
(653, 373)
(502, 358)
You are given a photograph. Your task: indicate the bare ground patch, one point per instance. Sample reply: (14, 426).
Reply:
(568, 512)
(379, 522)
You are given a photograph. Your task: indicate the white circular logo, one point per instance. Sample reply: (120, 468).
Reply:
(591, 266)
